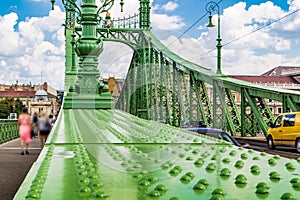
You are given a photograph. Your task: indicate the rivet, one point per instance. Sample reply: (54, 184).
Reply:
(274, 175)
(84, 191)
(244, 156)
(262, 188)
(255, 169)
(232, 153)
(287, 196)
(239, 164)
(240, 179)
(225, 172)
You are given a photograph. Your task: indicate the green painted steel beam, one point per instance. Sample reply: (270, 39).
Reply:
(110, 154)
(256, 112)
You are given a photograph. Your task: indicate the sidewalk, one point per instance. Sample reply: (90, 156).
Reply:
(14, 167)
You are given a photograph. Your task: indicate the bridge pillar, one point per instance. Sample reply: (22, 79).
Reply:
(88, 91)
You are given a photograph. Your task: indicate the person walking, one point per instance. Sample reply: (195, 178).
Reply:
(35, 128)
(44, 125)
(24, 130)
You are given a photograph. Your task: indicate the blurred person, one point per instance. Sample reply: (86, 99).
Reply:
(35, 128)
(24, 130)
(44, 125)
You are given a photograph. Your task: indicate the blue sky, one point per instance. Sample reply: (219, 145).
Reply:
(32, 39)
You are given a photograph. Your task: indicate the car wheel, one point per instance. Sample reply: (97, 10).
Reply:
(298, 145)
(270, 142)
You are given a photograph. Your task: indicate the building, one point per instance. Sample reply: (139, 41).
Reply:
(37, 98)
(285, 77)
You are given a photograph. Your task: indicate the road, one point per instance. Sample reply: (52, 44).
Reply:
(261, 145)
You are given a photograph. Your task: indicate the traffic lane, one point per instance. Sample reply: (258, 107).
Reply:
(261, 145)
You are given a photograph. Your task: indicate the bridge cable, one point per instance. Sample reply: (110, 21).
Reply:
(254, 31)
(189, 28)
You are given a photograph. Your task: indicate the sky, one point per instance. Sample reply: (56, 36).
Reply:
(256, 35)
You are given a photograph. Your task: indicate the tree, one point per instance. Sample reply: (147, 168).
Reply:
(10, 105)
(4, 110)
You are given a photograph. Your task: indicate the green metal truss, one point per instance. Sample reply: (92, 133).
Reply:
(180, 90)
(162, 86)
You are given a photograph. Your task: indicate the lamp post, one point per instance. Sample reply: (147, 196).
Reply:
(87, 91)
(213, 7)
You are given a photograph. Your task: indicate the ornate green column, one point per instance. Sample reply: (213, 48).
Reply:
(88, 91)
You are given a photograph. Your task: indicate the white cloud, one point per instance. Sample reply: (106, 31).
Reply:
(9, 39)
(27, 52)
(258, 52)
(165, 22)
(170, 6)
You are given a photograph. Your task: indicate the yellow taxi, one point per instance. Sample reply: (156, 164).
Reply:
(285, 131)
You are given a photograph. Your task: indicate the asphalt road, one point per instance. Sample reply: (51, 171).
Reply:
(14, 167)
(260, 144)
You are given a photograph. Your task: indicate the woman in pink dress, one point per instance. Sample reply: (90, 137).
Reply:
(24, 130)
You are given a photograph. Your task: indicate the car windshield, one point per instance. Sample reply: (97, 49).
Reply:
(227, 138)
(221, 135)
(194, 124)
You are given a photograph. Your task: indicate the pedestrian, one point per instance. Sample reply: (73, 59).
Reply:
(35, 128)
(24, 130)
(45, 126)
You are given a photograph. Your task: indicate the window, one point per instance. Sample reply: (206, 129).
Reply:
(278, 121)
(279, 110)
(289, 120)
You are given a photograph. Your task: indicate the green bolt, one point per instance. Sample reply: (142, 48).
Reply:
(211, 167)
(239, 164)
(225, 172)
(255, 169)
(274, 175)
(244, 156)
(199, 187)
(218, 191)
(203, 182)
(287, 196)
(240, 179)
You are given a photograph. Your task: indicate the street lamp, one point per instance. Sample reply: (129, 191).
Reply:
(212, 7)
(87, 91)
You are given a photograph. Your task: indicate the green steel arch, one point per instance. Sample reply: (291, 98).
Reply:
(96, 152)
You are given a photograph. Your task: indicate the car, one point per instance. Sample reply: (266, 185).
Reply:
(218, 133)
(285, 131)
(195, 123)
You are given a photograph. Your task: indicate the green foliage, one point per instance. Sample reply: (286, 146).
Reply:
(10, 105)
(4, 111)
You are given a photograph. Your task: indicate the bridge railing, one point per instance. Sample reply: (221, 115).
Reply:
(125, 22)
(8, 130)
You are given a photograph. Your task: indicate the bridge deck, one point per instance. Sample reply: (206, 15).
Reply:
(97, 153)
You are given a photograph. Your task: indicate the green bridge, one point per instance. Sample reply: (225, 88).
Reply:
(102, 149)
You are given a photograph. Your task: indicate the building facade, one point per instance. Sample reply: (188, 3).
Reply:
(285, 77)
(37, 98)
